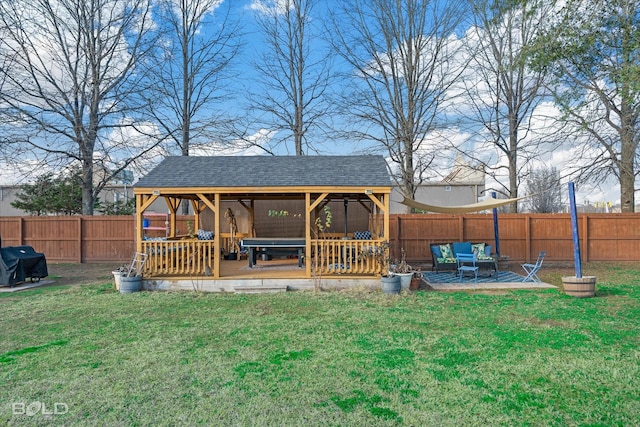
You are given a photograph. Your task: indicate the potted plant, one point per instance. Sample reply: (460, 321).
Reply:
(127, 281)
(404, 270)
(390, 281)
(128, 277)
(416, 280)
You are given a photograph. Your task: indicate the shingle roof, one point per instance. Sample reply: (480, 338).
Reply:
(273, 171)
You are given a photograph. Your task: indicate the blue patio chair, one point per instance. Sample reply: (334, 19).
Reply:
(467, 263)
(532, 269)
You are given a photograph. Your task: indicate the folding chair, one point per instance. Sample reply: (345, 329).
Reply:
(532, 269)
(462, 261)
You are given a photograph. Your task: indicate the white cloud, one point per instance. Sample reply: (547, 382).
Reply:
(271, 7)
(196, 8)
(22, 171)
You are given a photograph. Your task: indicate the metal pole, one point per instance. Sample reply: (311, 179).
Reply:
(496, 231)
(574, 230)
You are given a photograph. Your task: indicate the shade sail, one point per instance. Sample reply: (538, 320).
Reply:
(474, 207)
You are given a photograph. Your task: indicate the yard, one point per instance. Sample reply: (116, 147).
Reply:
(83, 354)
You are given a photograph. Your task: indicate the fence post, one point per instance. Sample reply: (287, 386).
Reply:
(585, 237)
(527, 233)
(79, 245)
(398, 243)
(20, 231)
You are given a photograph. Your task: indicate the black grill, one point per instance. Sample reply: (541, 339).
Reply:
(19, 263)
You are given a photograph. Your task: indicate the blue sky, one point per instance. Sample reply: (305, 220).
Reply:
(245, 11)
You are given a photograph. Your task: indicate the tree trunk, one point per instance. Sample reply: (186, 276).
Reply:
(87, 186)
(513, 173)
(629, 146)
(627, 177)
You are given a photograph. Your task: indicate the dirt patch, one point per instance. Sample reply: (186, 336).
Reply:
(80, 274)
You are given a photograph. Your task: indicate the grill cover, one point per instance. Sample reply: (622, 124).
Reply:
(19, 263)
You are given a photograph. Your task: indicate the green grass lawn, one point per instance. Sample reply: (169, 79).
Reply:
(328, 358)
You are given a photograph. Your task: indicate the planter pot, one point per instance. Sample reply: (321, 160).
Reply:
(116, 278)
(232, 256)
(416, 281)
(405, 280)
(129, 284)
(391, 284)
(579, 287)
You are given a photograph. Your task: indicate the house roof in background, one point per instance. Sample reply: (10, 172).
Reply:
(271, 171)
(463, 173)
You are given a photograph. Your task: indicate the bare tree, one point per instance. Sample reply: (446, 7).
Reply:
(592, 51)
(294, 72)
(200, 42)
(502, 92)
(545, 190)
(401, 64)
(72, 72)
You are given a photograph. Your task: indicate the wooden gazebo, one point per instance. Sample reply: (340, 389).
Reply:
(212, 183)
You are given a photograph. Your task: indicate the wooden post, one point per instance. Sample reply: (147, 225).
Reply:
(398, 243)
(138, 222)
(585, 236)
(217, 240)
(21, 231)
(527, 233)
(79, 243)
(307, 234)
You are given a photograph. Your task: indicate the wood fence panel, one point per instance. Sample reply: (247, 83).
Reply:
(57, 237)
(107, 238)
(11, 231)
(513, 236)
(443, 228)
(478, 228)
(410, 232)
(551, 233)
(614, 239)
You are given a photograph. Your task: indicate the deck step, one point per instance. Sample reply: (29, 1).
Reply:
(259, 289)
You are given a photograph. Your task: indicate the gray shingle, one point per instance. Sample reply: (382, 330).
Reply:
(260, 171)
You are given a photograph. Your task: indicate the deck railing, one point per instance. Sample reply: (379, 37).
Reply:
(346, 256)
(193, 257)
(178, 257)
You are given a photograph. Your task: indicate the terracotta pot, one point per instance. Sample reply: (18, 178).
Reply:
(579, 287)
(416, 281)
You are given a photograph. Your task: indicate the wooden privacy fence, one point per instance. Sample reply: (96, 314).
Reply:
(604, 237)
(72, 238)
